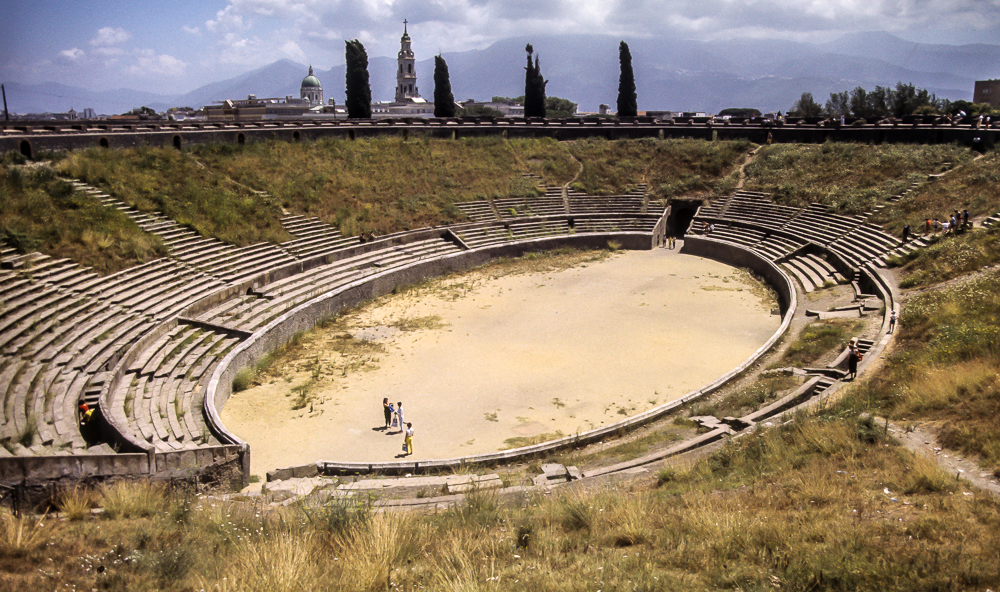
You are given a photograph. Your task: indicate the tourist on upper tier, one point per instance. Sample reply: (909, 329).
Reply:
(965, 216)
(906, 232)
(937, 225)
(892, 321)
(927, 228)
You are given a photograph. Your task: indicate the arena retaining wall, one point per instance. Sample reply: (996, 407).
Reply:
(305, 316)
(733, 255)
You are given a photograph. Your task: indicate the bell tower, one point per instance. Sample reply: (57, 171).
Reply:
(406, 73)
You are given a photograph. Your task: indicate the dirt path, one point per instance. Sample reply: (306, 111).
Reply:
(746, 161)
(921, 440)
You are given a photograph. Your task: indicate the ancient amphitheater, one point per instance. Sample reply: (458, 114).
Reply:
(154, 349)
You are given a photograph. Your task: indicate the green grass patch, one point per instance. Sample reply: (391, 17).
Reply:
(670, 168)
(178, 185)
(818, 338)
(850, 178)
(974, 186)
(949, 257)
(39, 211)
(943, 367)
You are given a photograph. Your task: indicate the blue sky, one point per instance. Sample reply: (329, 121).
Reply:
(174, 47)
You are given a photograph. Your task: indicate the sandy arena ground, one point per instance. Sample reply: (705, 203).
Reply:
(517, 357)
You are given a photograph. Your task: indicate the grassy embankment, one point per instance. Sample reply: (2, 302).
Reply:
(390, 184)
(41, 212)
(974, 187)
(381, 185)
(670, 168)
(176, 185)
(849, 178)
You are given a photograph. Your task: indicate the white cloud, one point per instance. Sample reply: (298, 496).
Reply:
(71, 54)
(149, 62)
(292, 50)
(110, 36)
(191, 30)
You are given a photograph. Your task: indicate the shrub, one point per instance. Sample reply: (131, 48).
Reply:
(75, 503)
(132, 499)
(243, 379)
(19, 535)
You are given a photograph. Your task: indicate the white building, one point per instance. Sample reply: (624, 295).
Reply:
(311, 89)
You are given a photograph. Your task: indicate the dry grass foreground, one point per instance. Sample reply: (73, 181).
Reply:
(821, 504)
(503, 356)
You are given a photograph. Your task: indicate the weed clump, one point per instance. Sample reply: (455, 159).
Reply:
(243, 379)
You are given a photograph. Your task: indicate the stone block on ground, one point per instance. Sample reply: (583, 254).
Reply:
(466, 483)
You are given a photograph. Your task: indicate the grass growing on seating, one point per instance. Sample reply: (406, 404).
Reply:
(749, 399)
(388, 184)
(177, 185)
(818, 504)
(849, 178)
(629, 447)
(974, 186)
(670, 168)
(950, 256)
(943, 367)
(819, 338)
(38, 211)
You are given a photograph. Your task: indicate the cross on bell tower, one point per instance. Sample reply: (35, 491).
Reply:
(406, 74)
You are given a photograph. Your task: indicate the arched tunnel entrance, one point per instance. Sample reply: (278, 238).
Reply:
(25, 149)
(681, 213)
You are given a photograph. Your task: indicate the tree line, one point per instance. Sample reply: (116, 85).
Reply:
(536, 104)
(884, 102)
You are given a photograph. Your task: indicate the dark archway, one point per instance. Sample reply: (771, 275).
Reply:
(295, 136)
(681, 214)
(26, 148)
(241, 139)
(177, 142)
(104, 143)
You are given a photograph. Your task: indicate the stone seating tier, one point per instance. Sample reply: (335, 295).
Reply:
(619, 204)
(529, 206)
(161, 396)
(479, 210)
(248, 313)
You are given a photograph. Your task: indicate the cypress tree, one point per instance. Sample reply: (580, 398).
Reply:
(359, 92)
(627, 105)
(534, 87)
(444, 100)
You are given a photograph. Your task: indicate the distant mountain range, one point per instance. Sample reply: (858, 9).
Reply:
(671, 74)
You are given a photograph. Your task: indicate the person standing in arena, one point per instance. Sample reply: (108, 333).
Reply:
(387, 410)
(408, 439)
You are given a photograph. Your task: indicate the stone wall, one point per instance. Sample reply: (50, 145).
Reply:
(48, 136)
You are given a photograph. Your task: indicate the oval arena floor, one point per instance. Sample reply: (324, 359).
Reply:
(516, 358)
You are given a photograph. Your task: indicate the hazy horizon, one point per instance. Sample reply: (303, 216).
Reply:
(173, 48)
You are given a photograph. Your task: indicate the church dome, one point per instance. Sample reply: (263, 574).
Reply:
(311, 81)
